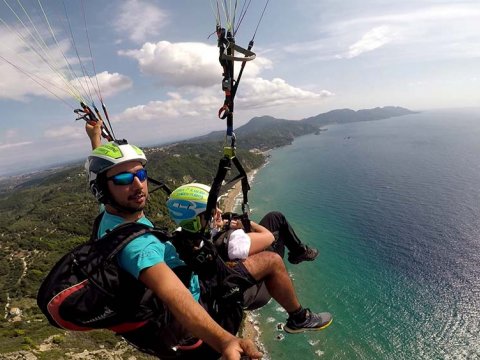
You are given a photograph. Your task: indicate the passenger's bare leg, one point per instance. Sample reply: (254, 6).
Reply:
(269, 267)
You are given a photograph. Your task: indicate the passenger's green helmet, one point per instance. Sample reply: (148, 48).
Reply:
(104, 158)
(186, 203)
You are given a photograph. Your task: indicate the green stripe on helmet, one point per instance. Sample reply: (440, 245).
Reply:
(110, 150)
(137, 150)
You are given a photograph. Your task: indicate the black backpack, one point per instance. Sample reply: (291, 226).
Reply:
(87, 290)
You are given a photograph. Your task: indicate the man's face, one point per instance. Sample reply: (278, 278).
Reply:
(130, 196)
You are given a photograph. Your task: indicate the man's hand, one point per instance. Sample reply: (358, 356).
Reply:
(236, 224)
(94, 132)
(237, 348)
(169, 288)
(217, 219)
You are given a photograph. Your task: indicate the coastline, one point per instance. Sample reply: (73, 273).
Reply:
(231, 199)
(228, 199)
(229, 202)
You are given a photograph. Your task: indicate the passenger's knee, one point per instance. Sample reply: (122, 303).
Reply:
(264, 265)
(265, 260)
(275, 260)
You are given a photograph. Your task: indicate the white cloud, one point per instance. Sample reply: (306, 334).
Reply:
(204, 103)
(28, 71)
(64, 132)
(10, 134)
(187, 63)
(422, 32)
(261, 93)
(174, 107)
(438, 13)
(195, 70)
(441, 25)
(178, 64)
(14, 145)
(18, 85)
(21, 63)
(373, 39)
(109, 84)
(140, 20)
(12, 138)
(178, 117)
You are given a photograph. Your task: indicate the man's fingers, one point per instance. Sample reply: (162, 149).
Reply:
(250, 350)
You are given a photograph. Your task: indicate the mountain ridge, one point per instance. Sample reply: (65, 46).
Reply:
(264, 132)
(343, 116)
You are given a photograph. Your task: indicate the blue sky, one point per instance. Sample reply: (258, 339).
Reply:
(160, 78)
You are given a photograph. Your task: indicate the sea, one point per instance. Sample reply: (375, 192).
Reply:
(394, 208)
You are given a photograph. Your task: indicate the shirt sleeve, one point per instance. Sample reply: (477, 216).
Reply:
(140, 254)
(238, 245)
(146, 251)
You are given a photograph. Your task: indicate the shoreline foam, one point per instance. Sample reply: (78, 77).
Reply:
(231, 200)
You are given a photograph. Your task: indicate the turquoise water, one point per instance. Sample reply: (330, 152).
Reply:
(394, 207)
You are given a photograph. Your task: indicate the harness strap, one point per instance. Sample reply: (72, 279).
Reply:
(221, 241)
(224, 166)
(227, 49)
(245, 185)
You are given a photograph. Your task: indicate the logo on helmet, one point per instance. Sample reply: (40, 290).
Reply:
(184, 209)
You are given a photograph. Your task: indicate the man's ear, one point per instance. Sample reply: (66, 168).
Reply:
(99, 188)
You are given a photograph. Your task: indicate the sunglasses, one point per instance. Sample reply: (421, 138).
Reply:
(126, 178)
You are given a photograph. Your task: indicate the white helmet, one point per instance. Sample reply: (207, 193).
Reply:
(104, 158)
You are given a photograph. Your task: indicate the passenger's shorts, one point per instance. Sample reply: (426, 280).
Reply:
(256, 294)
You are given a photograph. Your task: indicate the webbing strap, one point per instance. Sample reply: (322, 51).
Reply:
(227, 49)
(224, 165)
(245, 185)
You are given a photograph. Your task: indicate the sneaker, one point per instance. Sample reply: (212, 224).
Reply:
(313, 322)
(309, 254)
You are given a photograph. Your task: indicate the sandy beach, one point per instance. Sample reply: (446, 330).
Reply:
(229, 199)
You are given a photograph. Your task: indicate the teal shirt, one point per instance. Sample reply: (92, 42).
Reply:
(145, 251)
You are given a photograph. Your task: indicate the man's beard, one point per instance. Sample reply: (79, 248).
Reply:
(127, 208)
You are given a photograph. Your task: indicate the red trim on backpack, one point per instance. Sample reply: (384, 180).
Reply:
(54, 306)
(189, 347)
(126, 327)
